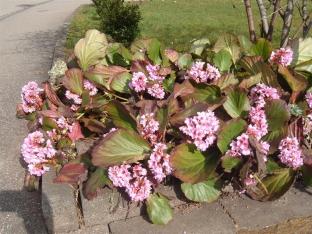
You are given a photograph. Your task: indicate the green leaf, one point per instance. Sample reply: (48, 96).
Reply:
(178, 119)
(254, 65)
(168, 84)
(277, 113)
(139, 45)
(96, 182)
(199, 45)
(206, 191)
(275, 137)
(120, 82)
(120, 115)
(185, 61)
(250, 81)
(296, 82)
(94, 125)
(237, 103)
(302, 50)
(191, 165)
(229, 163)
(48, 124)
(162, 118)
(73, 80)
(115, 56)
(225, 80)
(307, 174)
(263, 48)
(158, 209)
(91, 49)
(153, 51)
(172, 55)
(229, 132)
(245, 43)
(31, 116)
(205, 93)
(304, 67)
(120, 146)
(223, 61)
(274, 185)
(230, 43)
(101, 74)
(271, 165)
(184, 89)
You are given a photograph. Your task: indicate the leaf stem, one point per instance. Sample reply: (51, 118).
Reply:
(260, 182)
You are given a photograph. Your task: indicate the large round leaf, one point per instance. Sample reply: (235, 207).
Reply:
(121, 82)
(307, 174)
(91, 49)
(205, 93)
(119, 146)
(229, 132)
(223, 60)
(296, 82)
(277, 113)
(206, 191)
(73, 80)
(237, 103)
(158, 210)
(153, 51)
(263, 48)
(302, 50)
(191, 165)
(274, 185)
(199, 45)
(230, 43)
(225, 80)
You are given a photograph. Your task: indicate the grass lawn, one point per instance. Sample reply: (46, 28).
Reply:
(177, 23)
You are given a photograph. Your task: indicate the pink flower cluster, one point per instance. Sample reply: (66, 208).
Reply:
(308, 97)
(149, 127)
(36, 151)
(290, 153)
(307, 124)
(282, 56)
(153, 83)
(202, 129)
(262, 93)
(31, 100)
(136, 183)
(89, 86)
(159, 162)
(200, 74)
(64, 124)
(75, 97)
(259, 126)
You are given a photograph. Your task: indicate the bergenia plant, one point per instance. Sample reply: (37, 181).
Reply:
(133, 119)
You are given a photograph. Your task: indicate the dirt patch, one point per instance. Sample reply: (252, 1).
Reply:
(298, 226)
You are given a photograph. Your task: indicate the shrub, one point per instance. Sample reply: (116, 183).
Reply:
(119, 20)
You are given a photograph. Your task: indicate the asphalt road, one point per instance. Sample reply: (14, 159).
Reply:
(28, 33)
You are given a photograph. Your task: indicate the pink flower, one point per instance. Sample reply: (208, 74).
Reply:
(138, 82)
(31, 100)
(259, 126)
(156, 91)
(159, 162)
(89, 86)
(153, 73)
(290, 153)
(262, 93)
(308, 97)
(282, 56)
(199, 74)
(120, 175)
(69, 95)
(140, 189)
(149, 127)
(201, 129)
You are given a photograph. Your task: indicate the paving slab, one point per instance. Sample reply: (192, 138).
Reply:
(206, 218)
(58, 205)
(250, 214)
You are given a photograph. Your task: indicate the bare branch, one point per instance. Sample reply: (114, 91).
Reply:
(273, 20)
(265, 26)
(250, 21)
(287, 23)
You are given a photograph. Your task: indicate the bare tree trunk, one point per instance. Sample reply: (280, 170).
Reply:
(273, 20)
(264, 19)
(305, 34)
(287, 23)
(304, 16)
(250, 21)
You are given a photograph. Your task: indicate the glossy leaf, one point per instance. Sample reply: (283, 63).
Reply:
(245, 43)
(295, 82)
(101, 74)
(205, 93)
(229, 163)
(206, 191)
(263, 48)
(94, 125)
(274, 185)
(230, 43)
(115, 56)
(158, 209)
(185, 61)
(120, 82)
(72, 173)
(225, 80)
(179, 118)
(48, 124)
(271, 165)
(120, 146)
(172, 55)
(191, 165)
(120, 115)
(304, 67)
(223, 61)
(275, 137)
(307, 174)
(73, 80)
(184, 89)
(250, 81)
(302, 50)
(76, 133)
(168, 84)
(96, 182)
(153, 51)
(198, 46)
(237, 103)
(254, 65)
(140, 45)
(91, 49)
(229, 132)
(277, 113)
